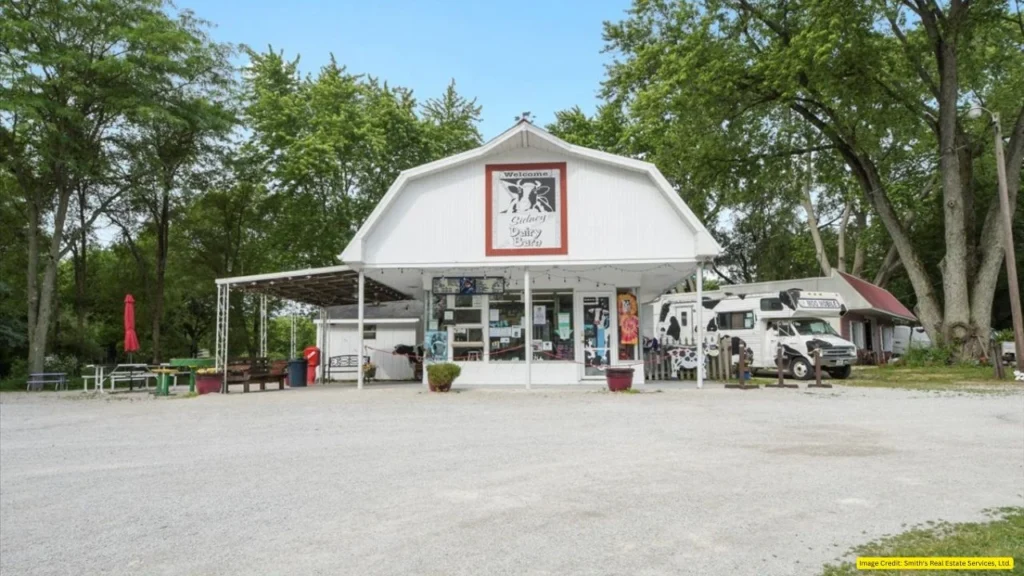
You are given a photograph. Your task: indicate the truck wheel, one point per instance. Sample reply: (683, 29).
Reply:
(841, 373)
(801, 369)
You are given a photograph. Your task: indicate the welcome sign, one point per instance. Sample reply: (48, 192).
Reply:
(526, 209)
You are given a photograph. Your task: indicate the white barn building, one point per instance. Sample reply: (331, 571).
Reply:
(531, 256)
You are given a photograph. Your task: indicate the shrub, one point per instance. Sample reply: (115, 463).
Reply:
(440, 376)
(1004, 335)
(929, 357)
(66, 364)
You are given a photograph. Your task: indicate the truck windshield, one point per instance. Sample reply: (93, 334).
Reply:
(812, 327)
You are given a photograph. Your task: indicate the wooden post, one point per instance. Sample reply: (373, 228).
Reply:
(741, 369)
(817, 372)
(997, 359)
(741, 376)
(779, 363)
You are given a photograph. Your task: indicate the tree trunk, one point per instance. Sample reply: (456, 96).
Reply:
(928, 310)
(163, 225)
(843, 222)
(812, 223)
(33, 274)
(40, 331)
(79, 261)
(858, 252)
(956, 313)
(990, 248)
(890, 264)
(874, 191)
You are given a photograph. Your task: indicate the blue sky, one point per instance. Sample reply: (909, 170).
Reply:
(534, 55)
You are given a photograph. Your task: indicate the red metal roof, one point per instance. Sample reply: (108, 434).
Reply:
(878, 297)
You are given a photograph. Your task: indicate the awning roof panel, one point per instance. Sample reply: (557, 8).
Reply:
(330, 286)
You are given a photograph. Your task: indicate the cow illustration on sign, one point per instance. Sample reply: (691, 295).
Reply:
(530, 196)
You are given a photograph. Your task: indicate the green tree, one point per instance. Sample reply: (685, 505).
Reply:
(451, 123)
(876, 92)
(72, 75)
(330, 146)
(166, 144)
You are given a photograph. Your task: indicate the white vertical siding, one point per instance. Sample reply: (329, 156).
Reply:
(345, 340)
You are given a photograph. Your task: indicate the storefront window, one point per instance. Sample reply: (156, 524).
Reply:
(597, 335)
(552, 326)
(455, 321)
(505, 319)
(467, 331)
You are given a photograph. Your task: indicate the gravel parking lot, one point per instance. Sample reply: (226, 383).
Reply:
(396, 481)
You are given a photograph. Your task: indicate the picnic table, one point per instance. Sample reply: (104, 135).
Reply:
(39, 380)
(129, 373)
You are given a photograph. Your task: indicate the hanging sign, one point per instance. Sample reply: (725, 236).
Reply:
(564, 331)
(467, 285)
(526, 209)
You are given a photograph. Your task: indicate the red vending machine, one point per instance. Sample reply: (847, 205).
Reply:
(312, 355)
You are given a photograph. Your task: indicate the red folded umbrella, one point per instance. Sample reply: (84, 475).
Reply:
(131, 341)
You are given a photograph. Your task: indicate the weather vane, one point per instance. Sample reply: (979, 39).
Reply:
(525, 117)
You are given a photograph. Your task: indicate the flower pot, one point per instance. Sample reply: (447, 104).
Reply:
(207, 383)
(619, 379)
(435, 387)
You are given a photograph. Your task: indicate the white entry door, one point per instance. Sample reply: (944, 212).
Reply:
(597, 332)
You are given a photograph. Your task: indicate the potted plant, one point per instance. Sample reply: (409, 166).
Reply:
(369, 371)
(619, 378)
(208, 380)
(440, 376)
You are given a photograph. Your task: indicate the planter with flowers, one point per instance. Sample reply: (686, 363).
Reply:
(208, 380)
(369, 371)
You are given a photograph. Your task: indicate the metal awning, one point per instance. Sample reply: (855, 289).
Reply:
(329, 286)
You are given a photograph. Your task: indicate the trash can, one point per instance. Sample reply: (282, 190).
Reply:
(163, 383)
(297, 372)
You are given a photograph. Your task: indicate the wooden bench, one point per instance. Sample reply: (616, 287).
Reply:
(259, 371)
(39, 380)
(262, 371)
(344, 363)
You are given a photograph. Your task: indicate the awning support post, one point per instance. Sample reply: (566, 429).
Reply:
(218, 328)
(359, 327)
(291, 351)
(322, 344)
(528, 327)
(263, 325)
(223, 323)
(700, 325)
(426, 327)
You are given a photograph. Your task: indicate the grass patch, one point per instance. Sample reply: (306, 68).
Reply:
(952, 378)
(1002, 536)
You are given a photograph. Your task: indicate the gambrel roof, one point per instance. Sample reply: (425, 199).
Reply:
(525, 135)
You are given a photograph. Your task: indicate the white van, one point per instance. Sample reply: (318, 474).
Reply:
(906, 337)
(796, 321)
